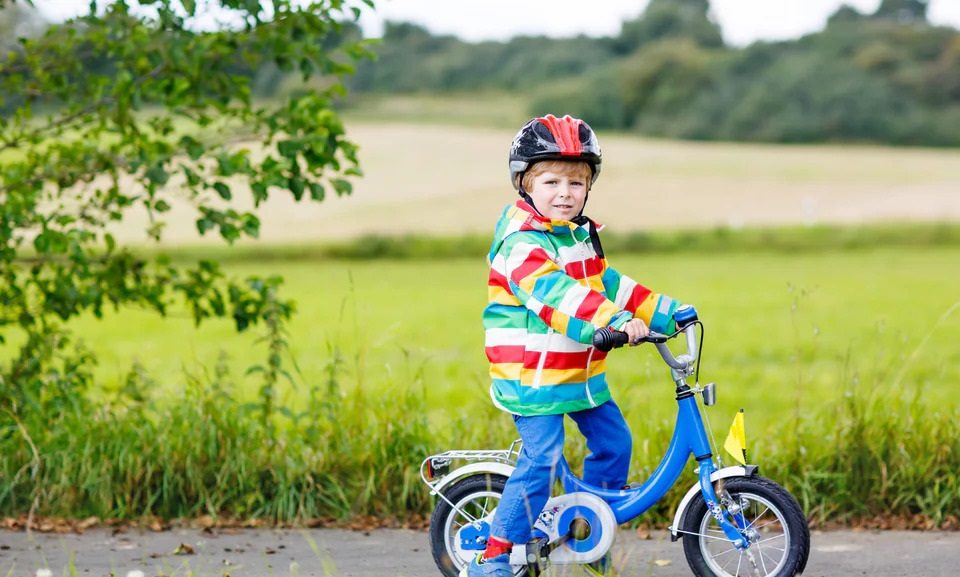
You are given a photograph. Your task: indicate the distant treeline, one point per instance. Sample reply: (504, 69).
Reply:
(887, 77)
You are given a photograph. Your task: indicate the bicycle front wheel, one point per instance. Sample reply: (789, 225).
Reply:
(777, 529)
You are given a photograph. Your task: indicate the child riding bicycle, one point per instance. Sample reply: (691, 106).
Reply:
(550, 288)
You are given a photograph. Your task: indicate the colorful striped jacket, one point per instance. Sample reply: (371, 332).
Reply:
(549, 290)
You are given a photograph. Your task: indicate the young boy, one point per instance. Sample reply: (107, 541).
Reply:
(550, 289)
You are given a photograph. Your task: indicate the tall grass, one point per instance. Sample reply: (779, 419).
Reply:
(208, 453)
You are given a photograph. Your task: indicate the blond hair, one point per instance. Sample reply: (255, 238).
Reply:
(564, 167)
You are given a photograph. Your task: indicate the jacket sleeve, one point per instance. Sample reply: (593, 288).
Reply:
(543, 287)
(652, 308)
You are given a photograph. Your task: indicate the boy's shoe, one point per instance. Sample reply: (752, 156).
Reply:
(498, 566)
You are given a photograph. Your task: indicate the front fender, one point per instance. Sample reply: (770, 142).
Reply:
(491, 467)
(724, 473)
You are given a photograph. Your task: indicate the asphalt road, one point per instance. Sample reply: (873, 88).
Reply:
(404, 553)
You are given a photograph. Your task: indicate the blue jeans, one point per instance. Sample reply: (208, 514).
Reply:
(527, 490)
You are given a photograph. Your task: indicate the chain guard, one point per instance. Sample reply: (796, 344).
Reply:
(583, 524)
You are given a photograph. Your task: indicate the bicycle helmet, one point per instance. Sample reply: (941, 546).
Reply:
(551, 138)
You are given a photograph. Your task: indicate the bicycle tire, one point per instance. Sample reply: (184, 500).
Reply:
(786, 517)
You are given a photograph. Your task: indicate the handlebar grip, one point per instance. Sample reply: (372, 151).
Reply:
(608, 339)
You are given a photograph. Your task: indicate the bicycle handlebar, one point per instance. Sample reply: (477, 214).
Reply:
(607, 339)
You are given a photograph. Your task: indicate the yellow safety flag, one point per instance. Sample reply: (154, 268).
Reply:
(736, 443)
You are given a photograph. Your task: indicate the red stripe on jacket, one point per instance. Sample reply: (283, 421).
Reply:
(534, 261)
(637, 296)
(556, 360)
(497, 279)
(584, 269)
(546, 314)
(505, 354)
(590, 304)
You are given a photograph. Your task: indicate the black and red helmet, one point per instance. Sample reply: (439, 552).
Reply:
(552, 138)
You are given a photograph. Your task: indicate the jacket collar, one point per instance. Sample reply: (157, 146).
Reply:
(537, 221)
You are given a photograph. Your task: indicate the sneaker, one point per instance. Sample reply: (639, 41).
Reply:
(498, 566)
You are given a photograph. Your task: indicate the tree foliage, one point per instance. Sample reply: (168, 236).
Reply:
(664, 19)
(903, 10)
(888, 77)
(129, 109)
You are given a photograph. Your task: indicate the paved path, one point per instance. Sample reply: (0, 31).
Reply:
(403, 553)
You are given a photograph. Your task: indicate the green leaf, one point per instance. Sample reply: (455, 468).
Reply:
(204, 224)
(251, 225)
(192, 178)
(260, 192)
(157, 174)
(289, 148)
(296, 187)
(341, 186)
(223, 190)
(194, 149)
(316, 191)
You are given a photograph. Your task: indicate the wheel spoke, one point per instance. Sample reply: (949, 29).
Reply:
(722, 553)
(483, 512)
(780, 536)
(762, 563)
(771, 557)
(466, 511)
(757, 518)
(705, 536)
(739, 561)
(767, 524)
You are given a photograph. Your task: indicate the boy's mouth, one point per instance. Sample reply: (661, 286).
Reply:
(563, 206)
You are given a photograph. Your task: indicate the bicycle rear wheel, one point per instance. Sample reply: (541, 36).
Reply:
(475, 498)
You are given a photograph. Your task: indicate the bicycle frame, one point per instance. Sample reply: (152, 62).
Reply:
(627, 504)
(689, 437)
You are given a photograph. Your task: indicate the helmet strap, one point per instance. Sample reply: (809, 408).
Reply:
(526, 197)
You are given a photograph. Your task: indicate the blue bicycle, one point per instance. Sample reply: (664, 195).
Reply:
(732, 522)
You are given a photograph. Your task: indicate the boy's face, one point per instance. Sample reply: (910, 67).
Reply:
(559, 195)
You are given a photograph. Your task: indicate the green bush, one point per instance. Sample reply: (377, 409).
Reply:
(595, 97)
(659, 83)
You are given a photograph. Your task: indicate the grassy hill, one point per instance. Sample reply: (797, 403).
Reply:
(427, 171)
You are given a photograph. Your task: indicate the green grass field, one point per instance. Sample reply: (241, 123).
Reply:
(784, 332)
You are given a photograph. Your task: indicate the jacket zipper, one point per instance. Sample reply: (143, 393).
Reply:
(583, 263)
